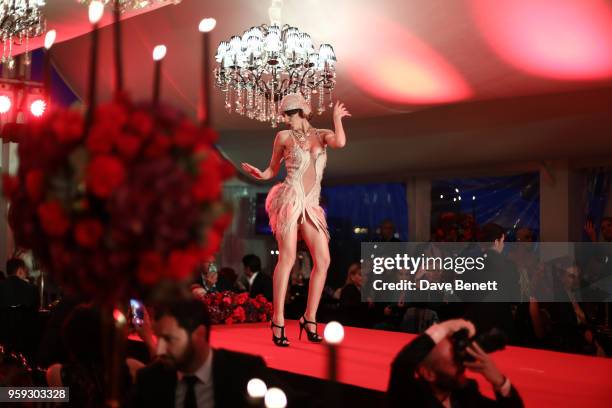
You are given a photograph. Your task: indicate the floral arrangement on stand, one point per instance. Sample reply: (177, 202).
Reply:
(230, 307)
(130, 202)
(116, 200)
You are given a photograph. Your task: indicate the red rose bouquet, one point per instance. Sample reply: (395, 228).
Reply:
(230, 308)
(114, 209)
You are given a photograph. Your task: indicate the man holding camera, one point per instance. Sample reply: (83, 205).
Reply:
(430, 371)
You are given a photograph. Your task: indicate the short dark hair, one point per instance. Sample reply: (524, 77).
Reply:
(189, 313)
(13, 265)
(491, 232)
(252, 261)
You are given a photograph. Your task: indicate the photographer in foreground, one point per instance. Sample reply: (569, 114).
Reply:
(430, 370)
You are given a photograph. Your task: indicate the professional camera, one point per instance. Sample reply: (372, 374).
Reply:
(490, 341)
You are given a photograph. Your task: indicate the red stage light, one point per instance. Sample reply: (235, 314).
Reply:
(565, 40)
(38, 107)
(5, 104)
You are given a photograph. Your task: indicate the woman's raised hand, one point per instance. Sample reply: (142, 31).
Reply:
(253, 171)
(340, 111)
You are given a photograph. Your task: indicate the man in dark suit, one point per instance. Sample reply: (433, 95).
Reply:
(188, 373)
(16, 291)
(494, 309)
(259, 282)
(19, 302)
(426, 373)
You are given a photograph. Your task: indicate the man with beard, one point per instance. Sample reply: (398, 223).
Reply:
(188, 372)
(426, 373)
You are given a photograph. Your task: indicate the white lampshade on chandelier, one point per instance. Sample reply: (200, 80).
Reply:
(20, 20)
(266, 63)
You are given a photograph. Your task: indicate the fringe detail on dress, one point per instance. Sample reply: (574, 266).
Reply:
(284, 211)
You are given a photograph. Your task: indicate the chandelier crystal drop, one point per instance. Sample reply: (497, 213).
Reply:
(257, 69)
(130, 5)
(20, 20)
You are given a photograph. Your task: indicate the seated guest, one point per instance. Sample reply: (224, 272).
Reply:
(259, 282)
(353, 312)
(227, 280)
(16, 290)
(387, 232)
(84, 372)
(189, 372)
(206, 279)
(427, 373)
(19, 302)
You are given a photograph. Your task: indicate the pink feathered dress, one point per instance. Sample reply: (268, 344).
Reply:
(297, 197)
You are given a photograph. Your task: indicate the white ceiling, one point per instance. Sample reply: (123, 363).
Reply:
(432, 59)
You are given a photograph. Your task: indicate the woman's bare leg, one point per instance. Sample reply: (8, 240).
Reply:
(319, 250)
(287, 246)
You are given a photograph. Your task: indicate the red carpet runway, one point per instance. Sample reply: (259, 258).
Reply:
(544, 378)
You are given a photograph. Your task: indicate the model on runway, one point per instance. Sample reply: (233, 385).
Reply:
(293, 206)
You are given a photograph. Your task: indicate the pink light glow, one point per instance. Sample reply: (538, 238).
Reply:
(559, 39)
(393, 65)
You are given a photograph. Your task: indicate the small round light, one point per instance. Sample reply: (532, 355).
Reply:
(119, 317)
(207, 25)
(256, 388)
(275, 398)
(5, 104)
(333, 333)
(50, 38)
(38, 107)
(96, 9)
(159, 52)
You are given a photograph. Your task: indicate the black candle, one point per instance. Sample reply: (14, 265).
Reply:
(118, 50)
(96, 9)
(159, 52)
(205, 27)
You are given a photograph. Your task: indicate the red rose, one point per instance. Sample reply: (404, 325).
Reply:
(128, 146)
(88, 232)
(67, 126)
(102, 137)
(208, 183)
(239, 314)
(52, 218)
(112, 113)
(212, 243)
(34, 184)
(181, 264)
(209, 135)
(141, 122)
(150, 268)
(261, 298)
(186, 135)
(227, 170)
(242, 298)
(104, 175)
(229, 320)
(227, 300)
(158, 147)
(263, 317)
(10, 184)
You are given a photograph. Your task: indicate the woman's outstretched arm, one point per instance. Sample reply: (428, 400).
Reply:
(275, 161)
(337, 139)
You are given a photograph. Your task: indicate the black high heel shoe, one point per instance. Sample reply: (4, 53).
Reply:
(312, 336)
(282, 340)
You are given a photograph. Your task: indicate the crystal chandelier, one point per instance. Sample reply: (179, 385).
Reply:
(129, 5)
(20, 20)
(256, 70)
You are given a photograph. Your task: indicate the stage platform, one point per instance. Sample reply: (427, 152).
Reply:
(543, 378)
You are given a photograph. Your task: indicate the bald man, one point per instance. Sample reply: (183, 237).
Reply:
(426, 373)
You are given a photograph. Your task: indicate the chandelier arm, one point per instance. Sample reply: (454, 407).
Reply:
(304, 76)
